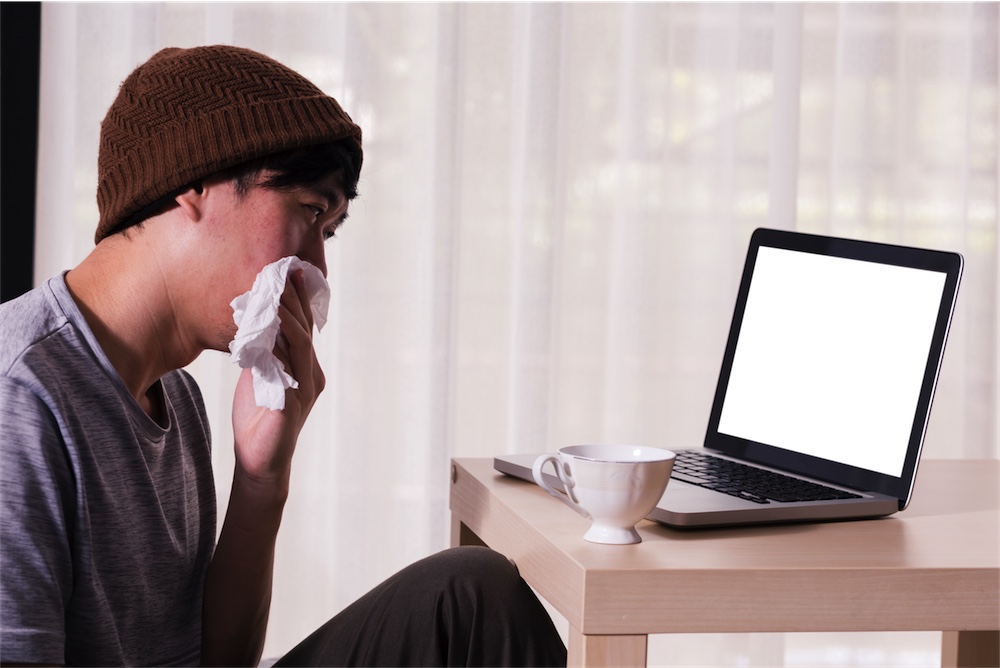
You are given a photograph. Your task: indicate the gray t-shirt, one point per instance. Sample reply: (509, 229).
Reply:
(108, 519)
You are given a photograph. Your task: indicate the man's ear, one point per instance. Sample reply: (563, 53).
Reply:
(192, 201)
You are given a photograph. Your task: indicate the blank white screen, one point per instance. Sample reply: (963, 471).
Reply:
(831, 356)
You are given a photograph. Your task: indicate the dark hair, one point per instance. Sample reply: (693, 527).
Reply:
(303, 167)
(288, 169)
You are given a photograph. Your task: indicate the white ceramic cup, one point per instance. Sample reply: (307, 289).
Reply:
(614, 485)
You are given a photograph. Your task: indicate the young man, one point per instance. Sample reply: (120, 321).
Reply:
(214, 162)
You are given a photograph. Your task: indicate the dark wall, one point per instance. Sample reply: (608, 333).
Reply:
(20, 46)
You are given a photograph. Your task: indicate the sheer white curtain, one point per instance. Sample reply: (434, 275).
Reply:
(555, 206)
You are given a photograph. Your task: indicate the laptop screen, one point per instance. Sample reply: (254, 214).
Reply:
(833, 356)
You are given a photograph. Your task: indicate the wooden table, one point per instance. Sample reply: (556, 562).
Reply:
(934, 566)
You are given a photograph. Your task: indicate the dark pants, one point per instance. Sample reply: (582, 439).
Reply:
(466, 606)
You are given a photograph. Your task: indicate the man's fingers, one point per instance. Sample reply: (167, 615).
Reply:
(294, 348)
(296, 298)
(293, 344)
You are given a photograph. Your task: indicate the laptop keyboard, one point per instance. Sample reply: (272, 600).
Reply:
(748, 482)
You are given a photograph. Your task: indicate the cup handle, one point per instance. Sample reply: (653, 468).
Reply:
(565, 477)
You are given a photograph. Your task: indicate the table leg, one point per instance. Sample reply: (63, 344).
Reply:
(612, 651)
(967, 649)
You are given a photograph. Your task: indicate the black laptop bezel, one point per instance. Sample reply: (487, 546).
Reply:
(949, 263)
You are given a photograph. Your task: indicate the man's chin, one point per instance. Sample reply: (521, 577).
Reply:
(222, 342)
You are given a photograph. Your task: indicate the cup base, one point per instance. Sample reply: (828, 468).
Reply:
(612, 535)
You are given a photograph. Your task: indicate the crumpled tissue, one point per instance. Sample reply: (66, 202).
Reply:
(256, 316)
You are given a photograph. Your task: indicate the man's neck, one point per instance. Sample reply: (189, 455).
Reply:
(124, 296)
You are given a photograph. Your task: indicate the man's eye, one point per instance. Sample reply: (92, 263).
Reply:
(316, 210)
(330, 231)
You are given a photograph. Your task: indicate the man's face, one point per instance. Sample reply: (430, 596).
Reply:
(267, 225)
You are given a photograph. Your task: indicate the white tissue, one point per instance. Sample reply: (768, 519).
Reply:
(256, 316)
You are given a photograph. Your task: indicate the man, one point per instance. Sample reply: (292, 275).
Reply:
(214, 162)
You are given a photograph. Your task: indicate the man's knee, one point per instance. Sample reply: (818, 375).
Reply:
(473, 559)
(474, 567)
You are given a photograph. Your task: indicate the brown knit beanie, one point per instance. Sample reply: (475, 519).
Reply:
(188, 113)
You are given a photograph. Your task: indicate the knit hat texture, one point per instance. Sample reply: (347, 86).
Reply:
(188, 113)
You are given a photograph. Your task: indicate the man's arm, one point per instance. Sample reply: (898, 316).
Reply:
(238, 584)
(36, 505)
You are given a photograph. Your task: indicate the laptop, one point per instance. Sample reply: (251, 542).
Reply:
(825, 389)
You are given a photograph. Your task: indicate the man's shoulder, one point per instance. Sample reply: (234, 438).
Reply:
(42, 344)
(26, 322)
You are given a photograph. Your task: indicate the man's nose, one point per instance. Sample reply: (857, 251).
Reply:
(316, 258)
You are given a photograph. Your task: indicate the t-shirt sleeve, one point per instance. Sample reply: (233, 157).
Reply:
(37, 498)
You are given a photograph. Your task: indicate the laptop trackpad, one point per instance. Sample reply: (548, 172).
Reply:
(684, 497)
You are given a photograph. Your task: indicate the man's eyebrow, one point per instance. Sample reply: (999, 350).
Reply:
(334, 196)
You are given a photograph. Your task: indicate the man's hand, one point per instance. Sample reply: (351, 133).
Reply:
(238, 586)
(265, 439)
